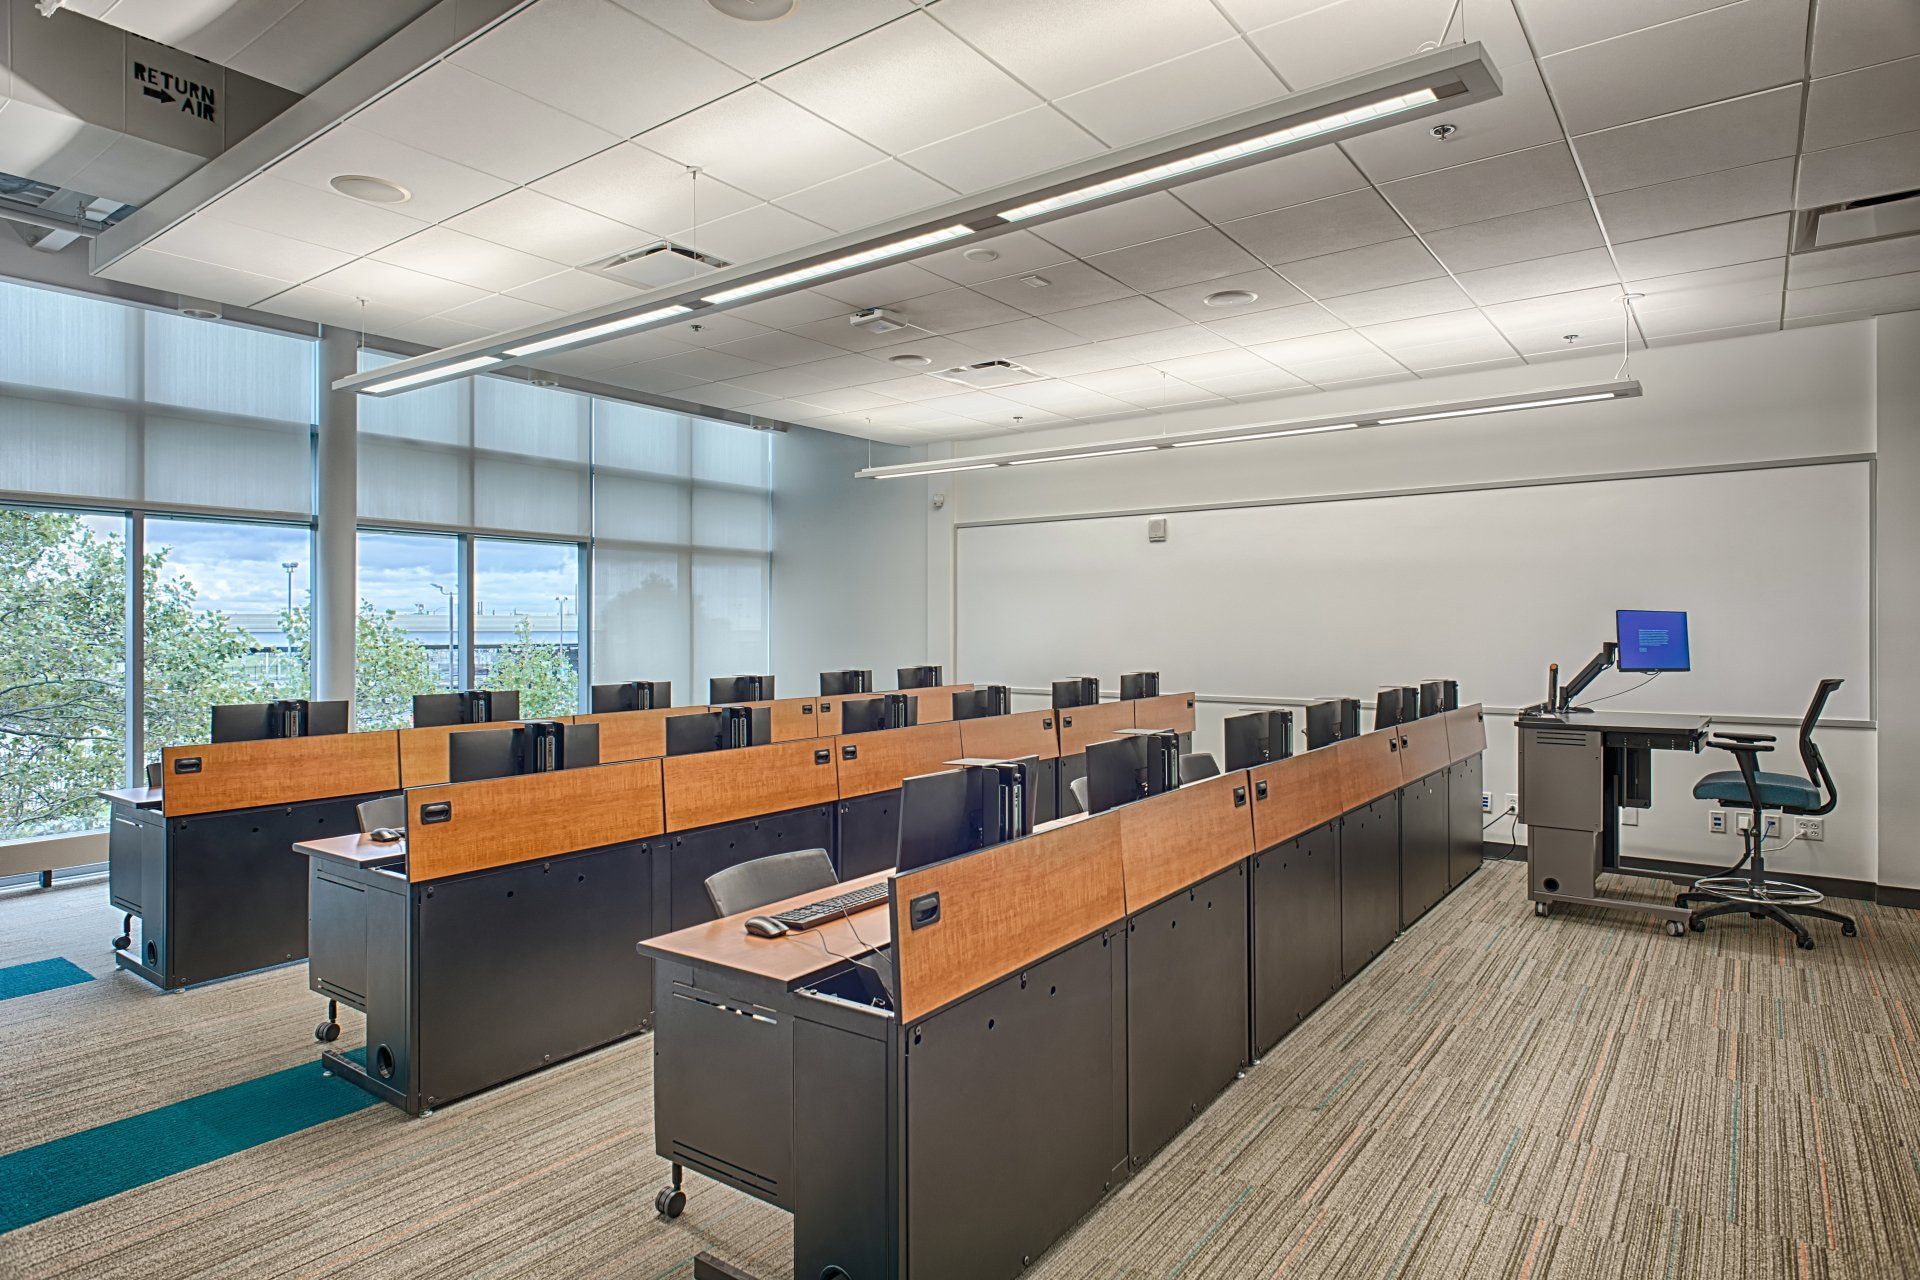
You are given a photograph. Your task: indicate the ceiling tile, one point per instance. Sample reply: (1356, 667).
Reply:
(1853, 262)
(440, 188)
(453, 255)
(1361, 368)
(1559, 25)
(1015, 338)
(194, 279)
(1495, 350)
(1424, 331)
(712, 329)
(1562, 273)
(904, 85)
(1514, 183)
(1707, 247)
(754, 233)
(526, 220)
(1167, 344)
(1013, 253)
(388, 285)
(1015, 147)
(1374, 266)
(1266, 382)
(957, 310)
(883, 286)
(305, 302)
(1856, 297)
(1197, 369)
(724, 395)
(1703, 57)
(1071, 362)
(1139, 385)
(778, 350)
(790, 309)
(1317, 349)
(915, 389)
(1277, 325)
(500, 312)
(1273, 184)
(1758, 283)
(1700, 201)
(847, 399)
(209, 238)
(1712, 316)
(649, 375)
(1136, 221)
(1519, 118)
(1312, 42)
(473, 121)
(1870, 103)
(791, 381)
(270, 203)
(1319, 227)
(762, 48)
(1714, 335)
(581, 56)
(932, 353)
(1068, 285)
(846, 370)
(635, 186)
(729, 140)
(436, 331)
(1188, 258)
(46, 144)
(1269, 290)
(1065, 398)
(1864, 169)
(1069, 45)
(574, 291)
(1537, 233)
(839, 331)
(1118, 319)
(710, 366)
(1399, 302)
(1723, 135)
(867, 197)
(1194, 87)
(1862, 32)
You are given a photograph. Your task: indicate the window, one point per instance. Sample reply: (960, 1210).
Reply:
(408, 634)
(227, 620)
(63, 674)
(640, 629)
(526, 623)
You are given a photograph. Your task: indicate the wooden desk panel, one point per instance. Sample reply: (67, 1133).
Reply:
(791, 719)
(1167, 711)
(1009, 737)
(500, 821)
(1170, 841)
(726, 944)
(1466, 731)
(1301, 792)
(423, 751)
(936, 701)
(1004, 908)
(634, 735)
(1369, 767)
(746, 782)
(248, 775)
(1080, 726)
(1423, 748)
(881, 759)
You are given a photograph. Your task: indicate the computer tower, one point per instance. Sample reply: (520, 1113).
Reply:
(1437, 696)
(1080, 691)
(1334, 720)
(917, 677)
(1139, 684)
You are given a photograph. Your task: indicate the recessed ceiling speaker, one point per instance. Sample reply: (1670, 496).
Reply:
(908, 360)
(372, 190)
(1231, 298)
(755, 10)
(982, 255)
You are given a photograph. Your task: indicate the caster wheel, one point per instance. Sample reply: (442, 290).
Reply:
(1805, 944)
(122, 942)
(670, 1202)
(1848, 931)
(327, 1032)
(1698, 926)
(1541, 908)
(1676, 929)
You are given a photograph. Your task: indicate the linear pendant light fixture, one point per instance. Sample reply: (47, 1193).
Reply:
(1620, 390)
(1439, 80)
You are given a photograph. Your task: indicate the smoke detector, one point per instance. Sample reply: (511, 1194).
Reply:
(370, 190)
(989, 375)
(876, 320)
(910, 360)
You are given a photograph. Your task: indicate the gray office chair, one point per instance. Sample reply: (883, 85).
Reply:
(1078, 788)
(382, 811)
(769, 879)
(154, 774)
(1196, 766)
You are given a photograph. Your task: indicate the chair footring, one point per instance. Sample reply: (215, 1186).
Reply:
(1769, 893)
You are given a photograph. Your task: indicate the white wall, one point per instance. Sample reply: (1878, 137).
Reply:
(1798, 395)
(1897, 563)
(849, 563)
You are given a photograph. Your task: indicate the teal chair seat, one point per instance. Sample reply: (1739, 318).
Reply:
(1777, 790)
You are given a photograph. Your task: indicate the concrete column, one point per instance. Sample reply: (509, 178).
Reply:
(337, 501)
(1896, 518)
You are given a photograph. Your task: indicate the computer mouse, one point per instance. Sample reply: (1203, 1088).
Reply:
(765, 927)
(385, 835)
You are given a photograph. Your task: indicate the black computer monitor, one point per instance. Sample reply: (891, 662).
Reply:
(469, 706)
(1255, 737)
(723, 689)
(1388, 708)
(1080, 691)
(1332, 721)
(721, 729)
(632, 695)
(538, 746)
(1139, 684)
(916, 677)
(987, 700)
(283, 718)
(838, 684)
(1438, 696)
(882, 711)
(1132, 767)
(943, 815)
(1652, 640)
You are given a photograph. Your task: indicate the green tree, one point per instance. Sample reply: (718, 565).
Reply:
(542, 672)
(390, 666)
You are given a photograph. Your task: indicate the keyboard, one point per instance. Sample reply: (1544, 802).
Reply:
(815, 913)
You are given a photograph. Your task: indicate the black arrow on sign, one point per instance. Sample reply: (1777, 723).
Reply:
(161, 94)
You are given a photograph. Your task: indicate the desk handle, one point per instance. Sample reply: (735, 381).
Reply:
(924, 910)
(187, 764)
(1393, 743)
(438, 811)
(1239, 797)
(849, 752)
(1403, 739)
(1066, 722)
(823, 756)
(1046, 722)
(806, 708)
(1260, 790)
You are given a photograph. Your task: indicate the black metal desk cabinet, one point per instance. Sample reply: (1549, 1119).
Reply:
(1465, 832)
(1369, 881)
(1425, 855)
(1295, 932)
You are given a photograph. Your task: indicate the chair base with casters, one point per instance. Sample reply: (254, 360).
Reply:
(1759, 793)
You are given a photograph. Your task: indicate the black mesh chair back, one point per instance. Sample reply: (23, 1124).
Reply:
(1810, 756)
(769, 879)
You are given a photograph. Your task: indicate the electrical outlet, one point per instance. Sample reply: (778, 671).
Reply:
(1486, 802)
(1717, 821)
(1743, 823)
(1810, 828)
(1513, 803)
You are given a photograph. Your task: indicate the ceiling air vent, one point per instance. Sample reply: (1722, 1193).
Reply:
(989, 375)
(1857, 221)
(662, 262)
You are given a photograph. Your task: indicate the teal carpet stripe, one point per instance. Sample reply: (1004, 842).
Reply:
(39, 1182)
(32, 978)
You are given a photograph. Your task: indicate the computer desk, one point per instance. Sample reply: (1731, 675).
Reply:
(788, 719)
(934, 704)
(1080, 728)
(634, 735)
(1014, 737)
(1576, 773)
(872, 766)
(206, 862)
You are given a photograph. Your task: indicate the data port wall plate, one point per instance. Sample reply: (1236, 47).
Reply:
(1717, 821)
(1810, 828)
(1486, 802)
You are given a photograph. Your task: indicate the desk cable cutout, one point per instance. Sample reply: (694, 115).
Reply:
(879, 977)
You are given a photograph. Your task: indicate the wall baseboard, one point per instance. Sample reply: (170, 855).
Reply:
(1833, 886)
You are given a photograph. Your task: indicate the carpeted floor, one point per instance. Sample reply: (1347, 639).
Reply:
(1580, 1097)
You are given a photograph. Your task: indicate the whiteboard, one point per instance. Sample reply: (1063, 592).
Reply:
(1486, 586)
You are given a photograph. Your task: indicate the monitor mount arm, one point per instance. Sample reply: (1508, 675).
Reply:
(1587, 675)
